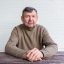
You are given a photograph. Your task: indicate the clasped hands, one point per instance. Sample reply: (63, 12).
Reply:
(34, 55)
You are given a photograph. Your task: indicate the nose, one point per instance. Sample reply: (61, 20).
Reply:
(30, 18)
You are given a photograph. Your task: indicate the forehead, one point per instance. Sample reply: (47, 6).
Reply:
(30, 13)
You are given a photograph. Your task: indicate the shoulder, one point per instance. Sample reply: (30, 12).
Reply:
(41, 27)
(17, 28)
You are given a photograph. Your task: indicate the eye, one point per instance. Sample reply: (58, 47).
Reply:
(26, 16)
(33, 16)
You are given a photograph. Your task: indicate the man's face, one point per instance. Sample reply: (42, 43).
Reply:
(29, 18)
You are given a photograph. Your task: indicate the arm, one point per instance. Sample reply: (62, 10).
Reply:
(50, 47)
(11, 46)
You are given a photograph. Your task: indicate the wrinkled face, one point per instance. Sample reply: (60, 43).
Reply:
(29, 18)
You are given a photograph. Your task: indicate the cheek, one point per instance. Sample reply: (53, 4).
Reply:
(35, 20)
(25, 20)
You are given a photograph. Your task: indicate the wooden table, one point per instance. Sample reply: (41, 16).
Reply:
(7, 59)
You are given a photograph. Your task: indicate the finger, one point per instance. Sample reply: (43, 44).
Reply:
(39, 59)
(30, 52)
(36, 59)
(36, 55)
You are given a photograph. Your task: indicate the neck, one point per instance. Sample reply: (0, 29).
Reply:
(29, 28)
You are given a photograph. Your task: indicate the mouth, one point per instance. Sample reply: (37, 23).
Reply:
(30, 23)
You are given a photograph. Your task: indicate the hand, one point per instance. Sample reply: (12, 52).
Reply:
(34, 55)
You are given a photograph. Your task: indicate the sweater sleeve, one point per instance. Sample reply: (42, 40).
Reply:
(11, 46)
(50, 46)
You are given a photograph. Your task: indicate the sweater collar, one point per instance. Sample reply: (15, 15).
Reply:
(28, 28)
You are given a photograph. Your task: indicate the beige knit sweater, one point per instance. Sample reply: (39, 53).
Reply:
(23, 39)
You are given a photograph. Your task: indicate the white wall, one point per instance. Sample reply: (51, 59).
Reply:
(51, 15)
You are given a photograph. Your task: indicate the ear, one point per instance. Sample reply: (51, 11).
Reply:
(37, 17)
(22, 18)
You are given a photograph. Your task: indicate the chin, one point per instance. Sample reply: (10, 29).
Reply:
(31, 26)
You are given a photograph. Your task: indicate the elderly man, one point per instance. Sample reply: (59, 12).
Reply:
(29, 40)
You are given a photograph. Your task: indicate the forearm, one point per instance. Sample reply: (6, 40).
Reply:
(13, 50)
(11, 47)
(49, 50)
(50, 46)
